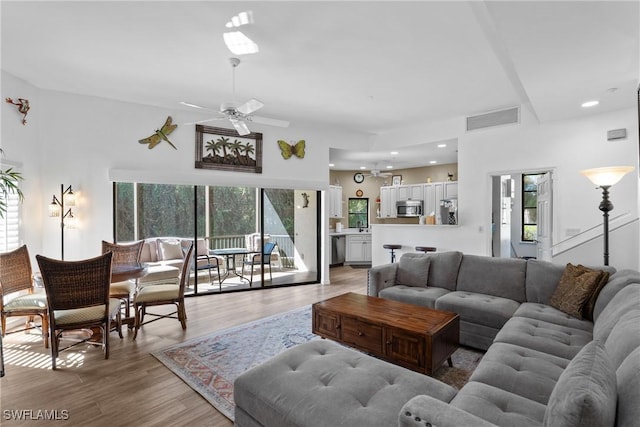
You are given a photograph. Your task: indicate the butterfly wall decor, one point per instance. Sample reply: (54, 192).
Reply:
(160, 135)
(287, 150)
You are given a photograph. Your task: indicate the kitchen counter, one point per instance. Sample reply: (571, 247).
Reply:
(463, 238)
(347, 231)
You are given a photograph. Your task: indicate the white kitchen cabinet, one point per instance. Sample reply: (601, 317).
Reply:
(388, 198)
(335, 201)
(433, 193)
(450, 190)
(410, 192)
(358, 248)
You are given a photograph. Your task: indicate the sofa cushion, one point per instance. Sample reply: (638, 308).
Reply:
(159, 273)
(624, 337)
(552, 315)
(443, 269)
(500, 277)
(201, 247)
(628, 378)
(414, 295)
(413, 270)
(320, 383)
(520, 370)
(169, 249)
(575, 288)
(546, 337)
(477, 308)
(149, 251)
(498, 406)
(542, 279)
(617, 281)
(585, 394)
(625, 300)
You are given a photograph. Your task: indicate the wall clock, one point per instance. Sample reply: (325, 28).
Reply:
(359, 193)
(358, 177)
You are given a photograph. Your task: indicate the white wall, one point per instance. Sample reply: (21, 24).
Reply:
(567, 147)
(85, 141)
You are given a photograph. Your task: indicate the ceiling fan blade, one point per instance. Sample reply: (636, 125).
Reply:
(204, 121)
(188, 104)
(269, 121)
(240, 126)
(250, 106)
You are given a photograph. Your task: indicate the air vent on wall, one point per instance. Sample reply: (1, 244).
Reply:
(495, 118)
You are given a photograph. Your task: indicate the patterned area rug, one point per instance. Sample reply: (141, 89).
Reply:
(210, 364)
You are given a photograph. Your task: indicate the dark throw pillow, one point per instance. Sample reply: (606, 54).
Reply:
(575, 289)
(587, 311)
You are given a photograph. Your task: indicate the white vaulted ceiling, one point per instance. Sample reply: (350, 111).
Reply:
(368, 67)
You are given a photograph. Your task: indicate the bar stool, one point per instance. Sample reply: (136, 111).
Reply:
(393, 248)
(425, 249)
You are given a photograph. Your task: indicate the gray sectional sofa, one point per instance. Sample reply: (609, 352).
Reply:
(542, 366)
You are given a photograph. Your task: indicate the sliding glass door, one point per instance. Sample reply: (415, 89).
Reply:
(236, 225)
(291, 223)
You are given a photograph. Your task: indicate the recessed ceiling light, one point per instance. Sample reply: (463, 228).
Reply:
(590, 104)
(393, 153)
(331, 165)
(389, 167)
(433, 162)
(442, 145)
(363, 167)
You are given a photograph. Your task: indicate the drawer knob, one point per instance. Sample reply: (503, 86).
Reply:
(360, 334)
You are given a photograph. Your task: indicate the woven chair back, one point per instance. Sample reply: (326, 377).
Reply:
(124, 253)
(76, 284)
(15, 271)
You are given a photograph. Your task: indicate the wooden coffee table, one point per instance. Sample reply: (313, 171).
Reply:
(412, 336)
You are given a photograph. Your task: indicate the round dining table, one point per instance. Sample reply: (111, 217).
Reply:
(122, 272)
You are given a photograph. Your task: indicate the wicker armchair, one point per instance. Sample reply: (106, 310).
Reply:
(164, 294)
(78, 297)
(123, 254)
(15, 277)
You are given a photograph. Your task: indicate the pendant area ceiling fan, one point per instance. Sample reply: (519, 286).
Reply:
(375, 172)
(239, 115)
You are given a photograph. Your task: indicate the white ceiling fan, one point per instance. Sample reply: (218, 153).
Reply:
(239, 115)
(375, 172)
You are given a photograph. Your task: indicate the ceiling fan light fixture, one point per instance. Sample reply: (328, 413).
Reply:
(240, 44)
(242, 18)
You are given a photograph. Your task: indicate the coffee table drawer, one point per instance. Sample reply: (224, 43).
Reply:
(326, 324)
(367, 336)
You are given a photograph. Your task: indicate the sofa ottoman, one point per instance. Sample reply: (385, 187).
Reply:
(321, 383)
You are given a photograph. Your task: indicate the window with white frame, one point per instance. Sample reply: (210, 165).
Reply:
(10, 224)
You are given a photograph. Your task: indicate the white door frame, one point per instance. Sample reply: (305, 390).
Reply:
(554, 195)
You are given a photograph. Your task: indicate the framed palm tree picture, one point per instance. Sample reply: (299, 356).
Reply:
(220, 148)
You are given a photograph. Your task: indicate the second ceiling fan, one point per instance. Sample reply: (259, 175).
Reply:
(237, 114)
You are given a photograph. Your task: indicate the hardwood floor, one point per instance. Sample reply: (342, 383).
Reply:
(132, 387)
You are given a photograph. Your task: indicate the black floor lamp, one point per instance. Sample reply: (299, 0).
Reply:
(56, 209)
(605, 178)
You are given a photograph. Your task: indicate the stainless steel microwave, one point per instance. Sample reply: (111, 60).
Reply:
(409, 208)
